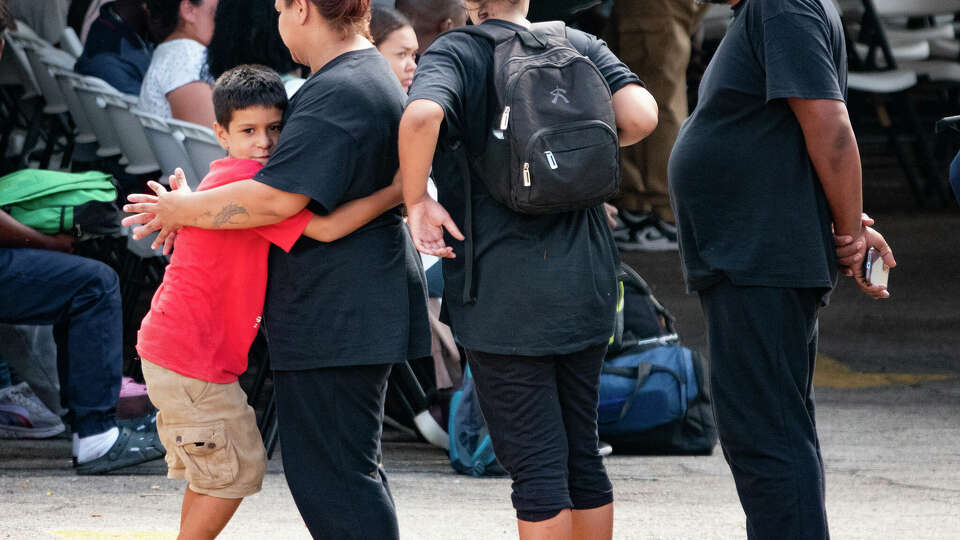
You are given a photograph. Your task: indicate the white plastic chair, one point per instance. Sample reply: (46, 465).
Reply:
(201, 144)
(167, 145)
(130, 135)
(70, 42)
(87, 90)
(60, 65)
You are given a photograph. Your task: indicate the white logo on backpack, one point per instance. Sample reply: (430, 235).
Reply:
(559, 93)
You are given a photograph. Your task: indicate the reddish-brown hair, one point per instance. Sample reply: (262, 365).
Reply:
(346, 16)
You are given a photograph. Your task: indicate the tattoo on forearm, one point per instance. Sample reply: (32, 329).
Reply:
(226, 215)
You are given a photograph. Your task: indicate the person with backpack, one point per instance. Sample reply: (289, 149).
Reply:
(522, 124)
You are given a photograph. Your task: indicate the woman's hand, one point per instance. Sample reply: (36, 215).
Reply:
(161, 212)
(427, 219)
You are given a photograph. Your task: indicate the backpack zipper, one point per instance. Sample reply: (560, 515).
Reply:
(526, 174)
(505, 118)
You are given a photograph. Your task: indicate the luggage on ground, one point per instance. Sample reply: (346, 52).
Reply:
(653, 395)
(471, 451)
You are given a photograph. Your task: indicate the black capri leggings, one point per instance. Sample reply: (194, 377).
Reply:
(542, 415)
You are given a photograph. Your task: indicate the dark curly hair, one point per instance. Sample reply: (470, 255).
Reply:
(245, 32)
(164, 16)
(384, 21)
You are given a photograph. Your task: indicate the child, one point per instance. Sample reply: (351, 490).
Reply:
(204, 316)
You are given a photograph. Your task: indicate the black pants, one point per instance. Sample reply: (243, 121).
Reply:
(542, 415)
(763, 342)
(330, 424)
(81, 298)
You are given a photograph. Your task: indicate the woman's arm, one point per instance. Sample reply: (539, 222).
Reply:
(350, 216)
(239, 205)
(419, 131)
(192, 102)
(636, 113)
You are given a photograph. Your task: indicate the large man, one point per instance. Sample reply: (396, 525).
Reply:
(761, 172)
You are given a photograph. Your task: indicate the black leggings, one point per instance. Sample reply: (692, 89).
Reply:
(330, 425)
(542, 415)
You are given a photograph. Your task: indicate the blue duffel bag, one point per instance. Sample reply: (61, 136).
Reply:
(645, 389)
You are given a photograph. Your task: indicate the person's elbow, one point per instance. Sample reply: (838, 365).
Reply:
(636, 112)
(421, 115)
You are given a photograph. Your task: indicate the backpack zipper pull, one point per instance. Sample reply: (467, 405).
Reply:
(526, 174)
(505, 118)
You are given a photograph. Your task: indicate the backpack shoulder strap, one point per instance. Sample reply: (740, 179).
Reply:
(550, 28)
(493, 32)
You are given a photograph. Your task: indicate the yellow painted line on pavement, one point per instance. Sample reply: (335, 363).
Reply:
(116, 535)
(830, 373)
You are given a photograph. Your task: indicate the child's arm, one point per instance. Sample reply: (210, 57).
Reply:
(350, 216)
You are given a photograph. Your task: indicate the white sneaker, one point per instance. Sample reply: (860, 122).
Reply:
(644, 233)
(24, 416)
(605, 449)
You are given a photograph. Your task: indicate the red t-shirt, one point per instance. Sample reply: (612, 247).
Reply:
(205, 314)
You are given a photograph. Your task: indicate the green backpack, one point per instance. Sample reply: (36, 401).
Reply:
(83, 204)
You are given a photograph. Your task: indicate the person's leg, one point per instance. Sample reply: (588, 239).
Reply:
(202, 517)
(82, 298)
(519, 400)
(578, 384)
(32, 353)
(761, 342)
(655, 44)
(330, 425)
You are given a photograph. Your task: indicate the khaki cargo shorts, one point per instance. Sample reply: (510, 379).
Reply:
(209, 431)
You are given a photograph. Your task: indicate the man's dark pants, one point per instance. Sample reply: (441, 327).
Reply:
(763, 343)
(81, 298)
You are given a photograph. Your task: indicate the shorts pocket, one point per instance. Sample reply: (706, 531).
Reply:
(209, 459)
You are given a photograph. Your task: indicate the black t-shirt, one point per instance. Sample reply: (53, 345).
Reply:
(748, 201)
(359, 300)
(544, 284)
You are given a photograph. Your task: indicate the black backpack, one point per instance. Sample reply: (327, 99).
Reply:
(553, 146)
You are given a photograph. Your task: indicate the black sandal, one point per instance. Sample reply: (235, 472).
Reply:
(132, 447)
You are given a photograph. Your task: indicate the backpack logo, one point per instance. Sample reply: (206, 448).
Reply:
(558, 94)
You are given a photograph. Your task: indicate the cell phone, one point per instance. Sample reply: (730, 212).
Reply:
(875, 272)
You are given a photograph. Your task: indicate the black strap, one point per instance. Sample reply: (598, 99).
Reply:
(463, 163)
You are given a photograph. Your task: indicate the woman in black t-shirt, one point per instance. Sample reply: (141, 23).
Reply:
(339, 314)
(536, 328)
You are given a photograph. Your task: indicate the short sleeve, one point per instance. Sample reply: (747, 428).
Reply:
(313, 157)
(442, 77)
(616, 73)
(182, 65)
(286, 233)
(798, 58)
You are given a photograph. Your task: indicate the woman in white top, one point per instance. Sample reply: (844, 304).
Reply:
(177, 84)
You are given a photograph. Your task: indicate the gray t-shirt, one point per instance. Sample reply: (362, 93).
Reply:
(749, 204)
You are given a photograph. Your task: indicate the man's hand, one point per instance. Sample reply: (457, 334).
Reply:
(62, 242)
(159, 212)
(427, 219)
(851, 252)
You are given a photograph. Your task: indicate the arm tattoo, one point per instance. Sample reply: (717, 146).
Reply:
(226, 215)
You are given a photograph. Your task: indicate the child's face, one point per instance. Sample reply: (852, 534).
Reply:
(252, 133)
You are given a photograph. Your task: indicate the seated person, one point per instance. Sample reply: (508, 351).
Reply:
(205, 315)
(245, 32)
(117, 49)
(397, 42)
(177, 84)
(40, 283)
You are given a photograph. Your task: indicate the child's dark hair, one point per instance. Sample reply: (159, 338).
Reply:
(165, 15)
(247, 86)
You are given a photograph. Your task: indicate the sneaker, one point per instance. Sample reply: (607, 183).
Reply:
(131, 388)
(605, 449)
(131, 448)
(133, 402)
(24, 416)
(637, 232)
